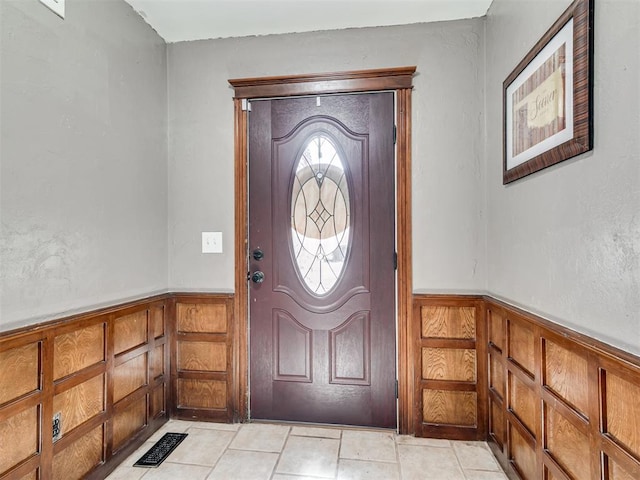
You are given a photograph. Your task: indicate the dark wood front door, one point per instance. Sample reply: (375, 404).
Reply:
(321, 259)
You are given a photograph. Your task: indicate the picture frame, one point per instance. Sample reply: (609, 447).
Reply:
(548, 97)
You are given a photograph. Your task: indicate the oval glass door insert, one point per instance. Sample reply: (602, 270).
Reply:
(320, 215)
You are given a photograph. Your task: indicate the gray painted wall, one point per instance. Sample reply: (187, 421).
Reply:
(565, 242)
(83, 192)
(448, 156)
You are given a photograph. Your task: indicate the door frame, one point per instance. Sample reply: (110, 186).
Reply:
(398, 80)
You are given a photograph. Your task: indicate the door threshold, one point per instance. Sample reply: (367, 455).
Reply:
(329, 426)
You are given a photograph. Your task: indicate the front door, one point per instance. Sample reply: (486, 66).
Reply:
(321, 259)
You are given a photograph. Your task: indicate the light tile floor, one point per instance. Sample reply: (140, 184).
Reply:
(265, 451)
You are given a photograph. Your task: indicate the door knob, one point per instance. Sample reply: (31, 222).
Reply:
(257, 277)
(258, 254)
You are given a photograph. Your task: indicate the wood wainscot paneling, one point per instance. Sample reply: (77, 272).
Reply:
(79, 394)
(561, 405)
(450, 367)
(202, 358)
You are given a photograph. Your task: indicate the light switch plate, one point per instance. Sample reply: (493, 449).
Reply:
(211, 242)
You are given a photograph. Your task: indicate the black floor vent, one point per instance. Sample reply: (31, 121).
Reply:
(161, 450)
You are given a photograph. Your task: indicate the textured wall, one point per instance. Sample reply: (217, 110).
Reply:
(83, 155)
(448, 176)
(565, 242)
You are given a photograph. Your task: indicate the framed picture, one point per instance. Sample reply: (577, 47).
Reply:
(548, 107)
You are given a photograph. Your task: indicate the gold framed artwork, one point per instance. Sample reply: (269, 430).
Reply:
(547, 99)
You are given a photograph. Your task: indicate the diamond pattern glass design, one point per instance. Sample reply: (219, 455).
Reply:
(320, 215)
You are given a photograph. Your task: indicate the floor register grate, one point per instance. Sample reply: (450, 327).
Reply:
(161, 450)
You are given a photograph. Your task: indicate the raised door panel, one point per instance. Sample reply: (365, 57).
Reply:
(292, 349)
(350, 355)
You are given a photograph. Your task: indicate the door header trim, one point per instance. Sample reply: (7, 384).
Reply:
(324, 83)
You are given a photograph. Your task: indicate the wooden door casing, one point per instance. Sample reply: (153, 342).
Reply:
(398, 80)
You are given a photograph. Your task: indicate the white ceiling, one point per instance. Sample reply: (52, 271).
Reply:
(180, 20)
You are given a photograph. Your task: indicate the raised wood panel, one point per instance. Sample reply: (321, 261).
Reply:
(31, 476)
(202, 317)
(496, 329)
(449, 407)
(22, 430)
(522, 455)
(449, 364)
(496, 375)
(157, 322)
(549, 475)
(70, 366)
(622, 412)
(565, 373)
(78, 349)
(129, 421)
(496, 423)
(129, 376)
(566, 444)
(80, 403)
(207, 394)
(522, 345)
(157, 363)
(617, 472)
(130, 331)
(157, 401)
(522, 402)
(20, 371)
(202, 356)
(448, 322)
(75, 461)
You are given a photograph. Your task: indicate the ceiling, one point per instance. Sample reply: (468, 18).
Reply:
(182, 20)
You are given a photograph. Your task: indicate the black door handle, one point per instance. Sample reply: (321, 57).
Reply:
(257, 277)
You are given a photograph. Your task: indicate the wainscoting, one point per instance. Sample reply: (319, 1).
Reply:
(103, 375)
(554, 404)
(450, 367)
(202, 357)
(562, 405)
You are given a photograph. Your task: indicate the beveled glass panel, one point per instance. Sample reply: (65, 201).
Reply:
(320, 215)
